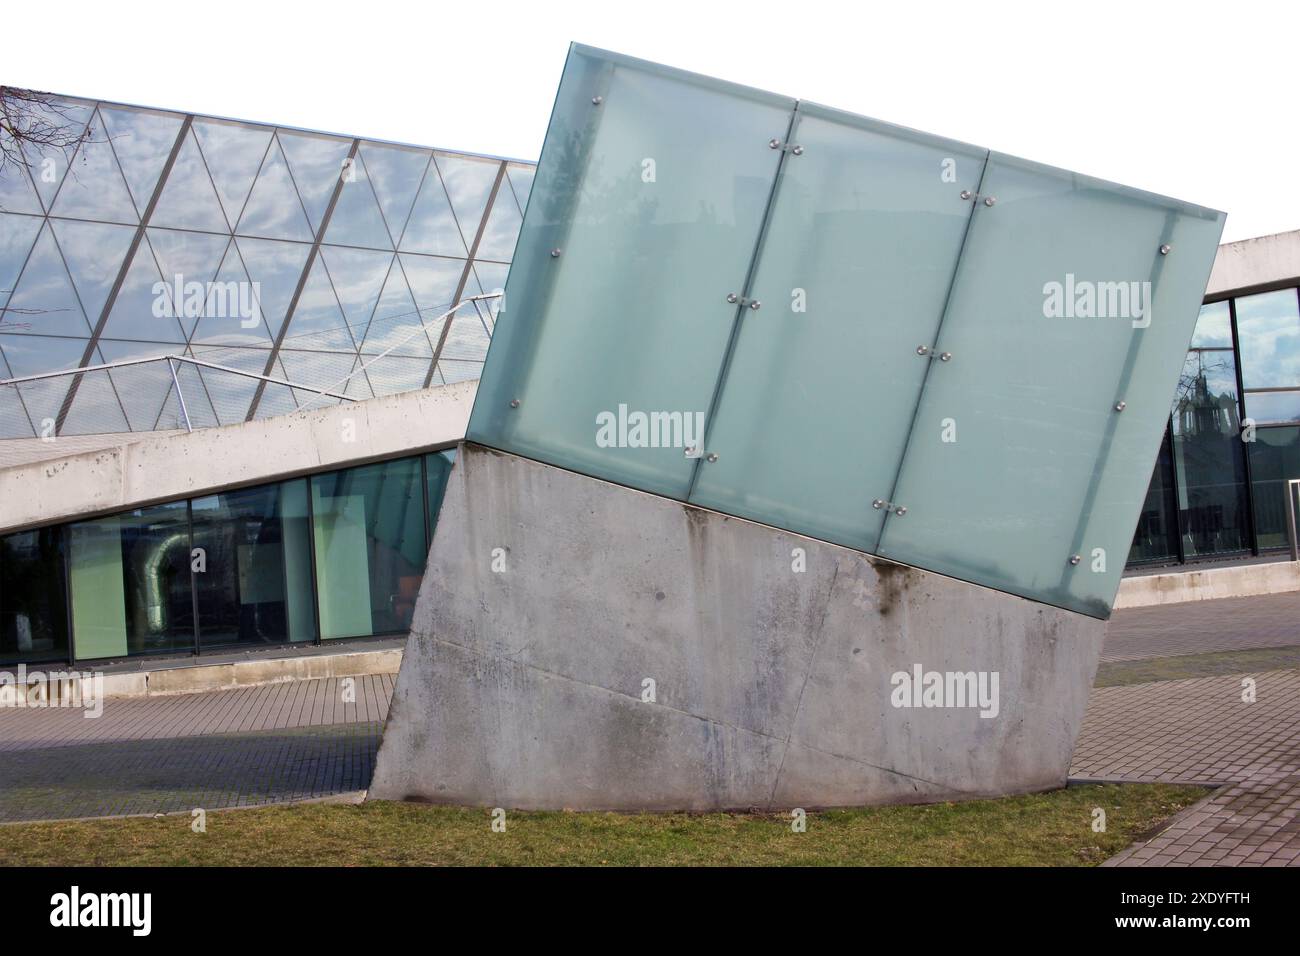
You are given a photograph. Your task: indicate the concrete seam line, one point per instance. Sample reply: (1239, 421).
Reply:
(686, 713)
(812, 660)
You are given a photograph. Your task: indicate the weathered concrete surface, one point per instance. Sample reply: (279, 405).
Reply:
(155, 469)
(523, 687)
(1208, 584)
(1255, 263)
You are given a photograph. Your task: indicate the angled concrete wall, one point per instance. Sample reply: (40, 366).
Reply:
(524, 686)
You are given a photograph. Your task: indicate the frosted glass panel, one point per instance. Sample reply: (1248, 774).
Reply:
(653, 199)
(1063, 308)
(855, 266)
(952, 358)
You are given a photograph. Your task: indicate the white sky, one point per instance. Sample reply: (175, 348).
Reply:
(1193, 100)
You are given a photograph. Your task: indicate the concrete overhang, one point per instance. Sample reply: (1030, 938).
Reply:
(149, 470)
(1255, 265)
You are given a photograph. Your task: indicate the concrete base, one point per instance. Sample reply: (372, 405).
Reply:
(553, 604)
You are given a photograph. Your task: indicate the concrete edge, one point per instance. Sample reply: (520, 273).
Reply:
(1209, 584)
(202, 678)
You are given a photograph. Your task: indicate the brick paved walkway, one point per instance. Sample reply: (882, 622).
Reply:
(233, 748)
(1200, 731)
(1198, 627)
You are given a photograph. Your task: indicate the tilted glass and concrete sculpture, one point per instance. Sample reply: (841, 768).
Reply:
(909, 348)
(903, 344)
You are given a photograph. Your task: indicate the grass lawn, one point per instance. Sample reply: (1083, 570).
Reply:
(1046, 829)
(1182, 667)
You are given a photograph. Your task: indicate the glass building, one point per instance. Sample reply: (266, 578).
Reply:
(340, 247)
(339, 554)
(1233, 439)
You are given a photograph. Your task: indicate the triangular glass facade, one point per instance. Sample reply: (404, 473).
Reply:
(275, 251)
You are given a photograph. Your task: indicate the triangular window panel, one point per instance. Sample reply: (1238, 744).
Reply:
(17, 233)
(142, 140)
(17, 194)
(358, 276)
(521, 181)
(468, 183)
(94, 253)
(317, 164)
(358, 386)
(13, 416)
(319, 370)
(393, 374)
(502, 229)
(356, 220)
(95, 409)
(45, 301)
(232, 394)
(142, 389)
(396, 174)
(432, 227)
(35, 354)
(188, 199)
(49, 164)
(318, 321)
(273, 210)
(491, 278)
(433, 281)
(234, 152)
(144, 310)
(198, 408)
(275, 268)
(231, 312)
(396, 321)
(185, 257)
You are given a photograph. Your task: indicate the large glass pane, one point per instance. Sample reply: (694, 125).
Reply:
(1213, 327)
(130, 583)
(256, 586)
(1156, 537)
(1273, 407)
(652, 200)
(1208, 455)
(1274, 459)
(1024, 471)
(33, 597)
(370, 547)
(855, 267)
(1268, 327)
